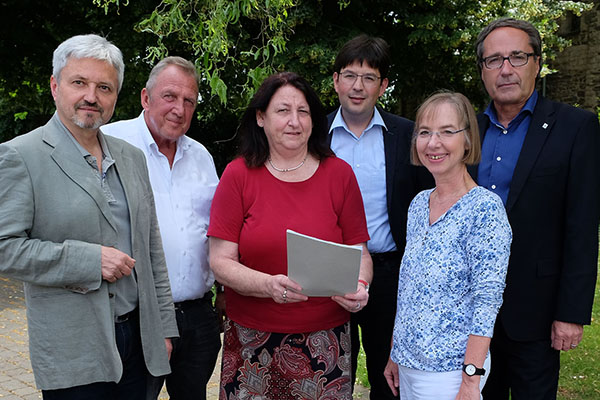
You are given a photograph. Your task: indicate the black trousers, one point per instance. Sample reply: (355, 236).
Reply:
(376, 322)
(526, 370)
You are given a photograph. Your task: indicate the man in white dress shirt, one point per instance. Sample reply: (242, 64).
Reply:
(184, 179)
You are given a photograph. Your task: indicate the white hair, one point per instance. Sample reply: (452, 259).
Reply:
(88, 46)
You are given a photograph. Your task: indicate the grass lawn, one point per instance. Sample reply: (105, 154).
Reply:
(580, 369)
(361, 369)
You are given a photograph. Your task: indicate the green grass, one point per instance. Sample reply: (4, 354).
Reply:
(579, 371)
(361, 369)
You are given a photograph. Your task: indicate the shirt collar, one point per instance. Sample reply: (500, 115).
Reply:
(82, 150)
(183, 142)
(529, 106)
(338, 121)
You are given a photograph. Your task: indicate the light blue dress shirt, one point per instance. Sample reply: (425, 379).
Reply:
(366, 156)
(451, 280)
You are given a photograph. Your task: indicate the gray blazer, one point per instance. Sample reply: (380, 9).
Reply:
(54, 220)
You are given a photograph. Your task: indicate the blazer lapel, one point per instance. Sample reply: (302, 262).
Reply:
(330, 118)
(71, 162)
(390, 144)
(541, 124)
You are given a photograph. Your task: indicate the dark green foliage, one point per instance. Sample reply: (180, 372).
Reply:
(236, 43)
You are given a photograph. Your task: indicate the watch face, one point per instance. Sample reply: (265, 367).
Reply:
(470, 369)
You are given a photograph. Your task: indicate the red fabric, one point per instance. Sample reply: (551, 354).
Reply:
(253, 209)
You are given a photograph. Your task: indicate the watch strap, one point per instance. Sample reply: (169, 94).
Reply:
(472, 370)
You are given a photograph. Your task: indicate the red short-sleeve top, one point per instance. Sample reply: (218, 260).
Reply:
(254, 209)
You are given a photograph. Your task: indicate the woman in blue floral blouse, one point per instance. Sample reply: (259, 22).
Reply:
(454, 266)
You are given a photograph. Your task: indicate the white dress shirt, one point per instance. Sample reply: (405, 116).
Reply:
(183, 195)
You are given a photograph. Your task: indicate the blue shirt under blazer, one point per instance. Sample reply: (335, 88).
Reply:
(402, 180)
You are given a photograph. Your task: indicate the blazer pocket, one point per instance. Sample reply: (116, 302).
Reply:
(547, 268)
(42, 292)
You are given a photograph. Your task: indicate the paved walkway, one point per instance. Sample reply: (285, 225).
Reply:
(16, 376)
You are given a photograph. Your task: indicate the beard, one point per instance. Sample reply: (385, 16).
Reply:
(91, 120)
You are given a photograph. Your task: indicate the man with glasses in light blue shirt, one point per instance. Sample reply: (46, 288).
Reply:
(376, 144)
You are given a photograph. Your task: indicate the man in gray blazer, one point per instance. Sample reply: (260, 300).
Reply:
(80, 230)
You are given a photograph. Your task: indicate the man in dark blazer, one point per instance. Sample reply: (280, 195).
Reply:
(541, 157)
(80, 230)
(376, 144)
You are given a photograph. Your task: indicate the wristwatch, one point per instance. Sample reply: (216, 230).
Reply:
(471, 370)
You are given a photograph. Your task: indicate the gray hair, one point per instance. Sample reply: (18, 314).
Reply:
(88, 46)
(535, 41)
(187, 66)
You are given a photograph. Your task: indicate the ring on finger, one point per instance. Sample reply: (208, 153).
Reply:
(358, 306)
(284, 295)
(573, 345)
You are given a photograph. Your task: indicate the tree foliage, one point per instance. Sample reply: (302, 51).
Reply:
(236, 43)
(31, 30)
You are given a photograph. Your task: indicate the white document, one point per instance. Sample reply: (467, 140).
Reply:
(322, 268)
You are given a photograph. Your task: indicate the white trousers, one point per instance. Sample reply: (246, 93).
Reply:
(425, 385)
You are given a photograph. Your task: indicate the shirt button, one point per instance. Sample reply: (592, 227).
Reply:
(110, 295)
(505, 131)
(493, 186)
(498, 158)
(357, 165)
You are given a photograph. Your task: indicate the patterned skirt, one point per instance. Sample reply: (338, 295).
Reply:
(280, 366)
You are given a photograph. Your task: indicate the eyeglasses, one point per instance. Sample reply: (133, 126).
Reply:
(368, 80)
(445, 134)
(517, 59)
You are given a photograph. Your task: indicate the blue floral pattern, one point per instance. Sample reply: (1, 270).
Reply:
(451, 279)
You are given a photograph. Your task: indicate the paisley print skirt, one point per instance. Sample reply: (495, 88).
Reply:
(260, 365)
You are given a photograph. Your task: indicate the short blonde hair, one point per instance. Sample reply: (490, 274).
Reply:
(466, 115)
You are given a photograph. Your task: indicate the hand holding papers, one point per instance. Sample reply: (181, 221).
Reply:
(322, 268)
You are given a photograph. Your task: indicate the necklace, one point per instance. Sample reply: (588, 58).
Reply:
(287, 169)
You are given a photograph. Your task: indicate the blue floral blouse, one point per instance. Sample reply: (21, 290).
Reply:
(451, 280)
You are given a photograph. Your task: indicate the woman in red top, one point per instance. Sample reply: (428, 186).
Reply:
(280, 344)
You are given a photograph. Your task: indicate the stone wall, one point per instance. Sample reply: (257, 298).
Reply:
(578, 78)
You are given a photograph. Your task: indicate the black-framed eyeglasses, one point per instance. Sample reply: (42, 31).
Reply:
(517, 59)
(349, 78)
(445, 134)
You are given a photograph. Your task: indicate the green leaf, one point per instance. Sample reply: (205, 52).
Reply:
(219, 88)
(20, 116)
